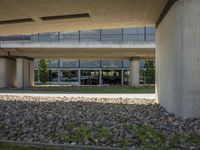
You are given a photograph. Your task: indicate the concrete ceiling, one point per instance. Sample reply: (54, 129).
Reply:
(33, 16)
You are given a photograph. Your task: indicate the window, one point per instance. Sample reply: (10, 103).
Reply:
(53, 75)
(69, 63)
(69, 75)
(111, 63)
(111, 35)
(126, 63)
(90, 63)
(72, 36)
(48, 37)
(36, 75)
(90, 35)
(35, 63)
(53, 64)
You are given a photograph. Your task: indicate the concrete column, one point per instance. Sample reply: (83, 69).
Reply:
(178, 60)
(134, 67)
(100, 77)
(25, 72)
(31, 69)
(7, 72)
(79, 77)
(122, 77)
(59, 76)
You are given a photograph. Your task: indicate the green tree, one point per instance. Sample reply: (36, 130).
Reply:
(149, 72)
(43, 70)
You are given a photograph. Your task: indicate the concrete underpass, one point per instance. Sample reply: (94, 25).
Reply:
(177, 41)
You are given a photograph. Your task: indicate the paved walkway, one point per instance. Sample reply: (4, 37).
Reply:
(106, 95)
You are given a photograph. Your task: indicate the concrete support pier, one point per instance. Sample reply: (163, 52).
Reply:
(134, 79)
(7, 72)
(178, 59)
(25, 72)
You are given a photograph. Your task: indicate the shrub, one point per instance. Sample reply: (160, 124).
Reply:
(43, 70)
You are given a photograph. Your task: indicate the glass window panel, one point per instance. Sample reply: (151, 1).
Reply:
(49, 33)
(70, 33)
(141, 63)
(89, 63)
(130, 30)
(34, 38)
(36, 75)
(126, 77)
(89, 73)
(90, 31)
(69, 63)
(125, 63)
(90, 38)
(111, 73)
(141, 30)
(111, 63)
(70, 36)
(150, 30)
(111, 31)
(48, 38)
(140, 38)
(53, 75)
(53, 63)
(36, 63)
(111, 38)
(150, 38)
(69, 75)
(16, 38)
(130, 38)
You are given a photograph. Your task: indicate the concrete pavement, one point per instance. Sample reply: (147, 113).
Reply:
(56, 94)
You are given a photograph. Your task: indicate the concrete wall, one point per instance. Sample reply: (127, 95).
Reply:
(25, 72)
(7, 72)
(178, 59)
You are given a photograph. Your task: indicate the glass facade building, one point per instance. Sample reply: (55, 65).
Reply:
(88, 72)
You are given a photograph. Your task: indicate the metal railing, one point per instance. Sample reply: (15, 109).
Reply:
(97, 36)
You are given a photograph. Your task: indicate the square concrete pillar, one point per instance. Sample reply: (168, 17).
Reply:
(134, 67)
(31, 70)
(7, 72)
(79, 77)
(25, 72)
(178, 59)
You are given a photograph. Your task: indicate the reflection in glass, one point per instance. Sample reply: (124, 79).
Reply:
(126, 77)
(53, 75)
(90, 77)
(36, 75)
(111, 63)
(69, 63)
(111, 77)
(89, 63)
(69, 75)
(53, 63)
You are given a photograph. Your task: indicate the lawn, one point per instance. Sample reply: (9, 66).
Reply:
(94, 89)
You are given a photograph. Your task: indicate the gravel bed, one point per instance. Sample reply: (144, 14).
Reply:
(114, 122)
